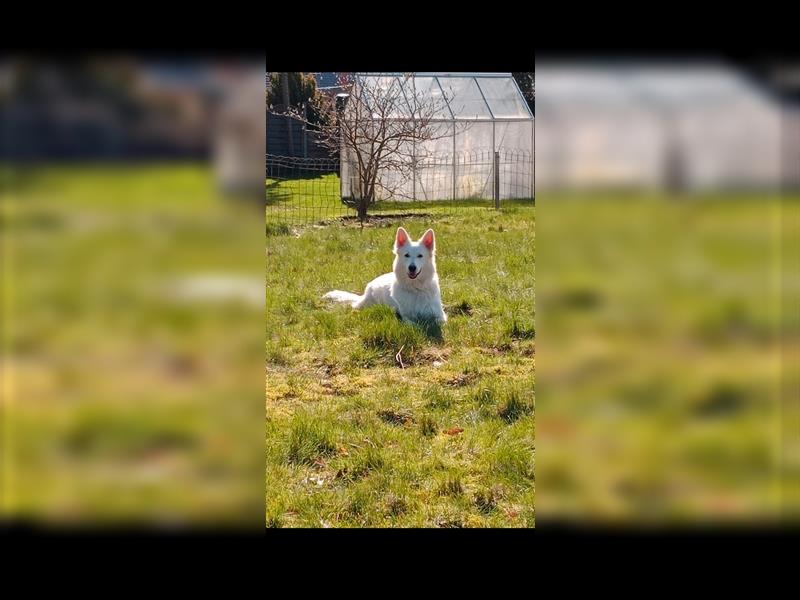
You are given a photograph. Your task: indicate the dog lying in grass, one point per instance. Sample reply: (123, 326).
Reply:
(412, 288)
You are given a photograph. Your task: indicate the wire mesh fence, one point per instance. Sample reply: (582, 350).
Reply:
(302, 191)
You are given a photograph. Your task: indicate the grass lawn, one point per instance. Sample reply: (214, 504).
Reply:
(354, 439)
(121, 402)
(659, 376)
(662, 340)
(660, 325)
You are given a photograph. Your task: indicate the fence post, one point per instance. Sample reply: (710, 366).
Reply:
(454, 162)
(533, 159)
(497, 180)
(305, 132)
(414, 171)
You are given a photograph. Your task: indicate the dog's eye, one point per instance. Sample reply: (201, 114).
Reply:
(419, 255)
(406, 254)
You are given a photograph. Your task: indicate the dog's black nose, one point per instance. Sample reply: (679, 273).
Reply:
(412, 268)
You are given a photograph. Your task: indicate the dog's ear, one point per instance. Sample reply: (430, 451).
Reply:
(429, 240)
(401, 239)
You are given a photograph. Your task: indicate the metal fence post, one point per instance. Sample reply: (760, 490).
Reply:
(497, 180)
(414, 171)
(533, 159)
(454, 163)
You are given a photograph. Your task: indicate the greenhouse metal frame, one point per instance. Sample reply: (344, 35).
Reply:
(490, 119)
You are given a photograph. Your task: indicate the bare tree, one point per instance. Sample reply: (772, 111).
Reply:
(381, 130)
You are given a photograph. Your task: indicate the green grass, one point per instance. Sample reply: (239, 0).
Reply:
(661, 368)
(126, 404)
(661, 363)
(354, 439)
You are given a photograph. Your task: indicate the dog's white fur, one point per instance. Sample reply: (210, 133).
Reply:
(414, 297)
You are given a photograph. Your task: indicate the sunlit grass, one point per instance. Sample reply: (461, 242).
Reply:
(128, 404)
(382, 445)
(660, 357)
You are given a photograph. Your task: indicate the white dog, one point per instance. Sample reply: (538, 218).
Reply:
(413, 286)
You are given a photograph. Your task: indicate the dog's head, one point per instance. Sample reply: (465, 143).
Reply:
(414, 260)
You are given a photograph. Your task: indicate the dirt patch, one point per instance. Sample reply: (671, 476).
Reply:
(326, 369)
(433, 354)
(396, 417)
(498, 350)
(463, 379)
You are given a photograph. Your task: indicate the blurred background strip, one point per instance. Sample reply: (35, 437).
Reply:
(133, 290)
(667, 291)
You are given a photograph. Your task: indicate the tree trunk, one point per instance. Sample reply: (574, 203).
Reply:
(362, 210)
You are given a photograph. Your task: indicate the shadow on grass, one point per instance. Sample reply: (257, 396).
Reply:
(273, 229)
(384, 333)
(431, 329)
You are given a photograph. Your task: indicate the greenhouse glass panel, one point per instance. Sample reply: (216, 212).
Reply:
(385, 91)
(503, 97)
(475, 136)
(435, 168)
(514, 144)
(474, 161)
(512, 135)
(466, 100)
(426, 90)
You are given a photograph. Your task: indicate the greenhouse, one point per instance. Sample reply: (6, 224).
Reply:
(483, 145)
